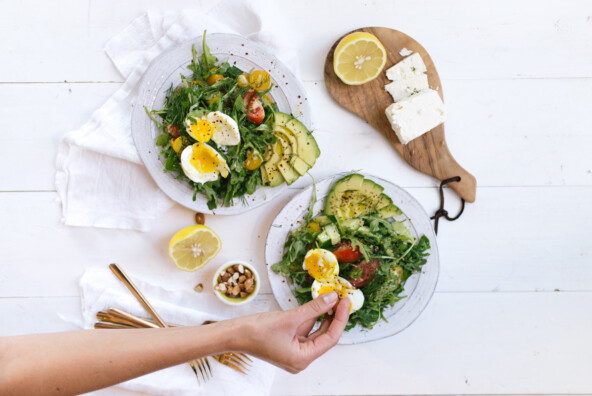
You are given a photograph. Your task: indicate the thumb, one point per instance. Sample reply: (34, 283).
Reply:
(320, 305)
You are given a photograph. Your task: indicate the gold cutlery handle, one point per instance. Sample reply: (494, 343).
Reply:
(139, 296)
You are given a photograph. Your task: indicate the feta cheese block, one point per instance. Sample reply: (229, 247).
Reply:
(400, 89)
(410, 67)
(416, 115)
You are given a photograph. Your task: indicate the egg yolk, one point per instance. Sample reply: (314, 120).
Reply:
(203, 158)
(318, 267)
(340, 289)
(202, 130)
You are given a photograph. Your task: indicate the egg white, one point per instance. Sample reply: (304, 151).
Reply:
(192, 173)
(226, 131)
(339, 284)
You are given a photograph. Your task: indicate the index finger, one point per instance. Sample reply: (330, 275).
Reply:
(327, 340)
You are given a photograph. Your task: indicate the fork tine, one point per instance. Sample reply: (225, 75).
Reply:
(244, 356)
(196, 366)
(237, 363)
(231, 365)
(237, 356)
(205, 359)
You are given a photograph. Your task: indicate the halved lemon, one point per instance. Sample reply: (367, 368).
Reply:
(193, 247)
(359, 58)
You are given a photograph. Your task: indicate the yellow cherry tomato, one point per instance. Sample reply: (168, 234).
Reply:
(243, 80)
(254, 160)
(213, 100)
(313, 227)
(214, 78)
(260, 80)
(179, 144)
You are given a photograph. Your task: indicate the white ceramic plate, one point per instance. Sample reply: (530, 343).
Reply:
(167, 68)
(418, 288)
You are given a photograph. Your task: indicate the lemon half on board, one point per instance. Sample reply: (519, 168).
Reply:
(193, 247)
(359, 58)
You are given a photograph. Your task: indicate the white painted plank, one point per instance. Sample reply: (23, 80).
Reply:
(507, 133)
(64, 40)
(464, 343)
(514, 239)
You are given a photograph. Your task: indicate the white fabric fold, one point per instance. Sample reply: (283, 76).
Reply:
(101, 290)
(100, 179)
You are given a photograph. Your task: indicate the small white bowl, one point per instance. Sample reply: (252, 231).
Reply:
(236, 300)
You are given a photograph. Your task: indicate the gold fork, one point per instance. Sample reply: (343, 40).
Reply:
(117, 319)
(202, 363)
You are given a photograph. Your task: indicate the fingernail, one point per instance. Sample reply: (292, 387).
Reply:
(330, 297)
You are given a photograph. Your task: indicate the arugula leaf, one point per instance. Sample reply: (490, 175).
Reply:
(207, 59)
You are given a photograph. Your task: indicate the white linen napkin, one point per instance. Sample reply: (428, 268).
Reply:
(100, 178)
(101, 290)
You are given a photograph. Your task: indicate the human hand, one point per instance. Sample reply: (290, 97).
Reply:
(283, 338)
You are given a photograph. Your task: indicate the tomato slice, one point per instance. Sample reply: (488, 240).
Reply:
(254, 107)
(364, 271)
(345, 253)
(173, 130)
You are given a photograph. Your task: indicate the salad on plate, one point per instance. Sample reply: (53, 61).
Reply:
(355, 247)
(222, 132)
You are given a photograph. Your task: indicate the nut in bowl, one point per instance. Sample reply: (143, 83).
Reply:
(236, 282)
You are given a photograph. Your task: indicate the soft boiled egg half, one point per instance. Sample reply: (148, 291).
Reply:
(343, 288)
(202, 163)
(321, 264)
(217, 126)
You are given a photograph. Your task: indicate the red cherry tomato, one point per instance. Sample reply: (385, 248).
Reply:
(173, 130)
(365, 269)
(345, 253)
(254, 107)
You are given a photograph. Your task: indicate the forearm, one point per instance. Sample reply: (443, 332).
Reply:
(80, 361)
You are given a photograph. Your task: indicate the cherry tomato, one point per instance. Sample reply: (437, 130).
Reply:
(214, 78)
(253, 160)
(364, 271)
(260, 80)
(345, 253)
(255, 111)
(173, 130)
(313, 227)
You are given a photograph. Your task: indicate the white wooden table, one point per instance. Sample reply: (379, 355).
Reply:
(512, 313)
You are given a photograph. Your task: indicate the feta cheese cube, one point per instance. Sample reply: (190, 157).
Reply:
(400, 89)
(410, 67)
(416, 115)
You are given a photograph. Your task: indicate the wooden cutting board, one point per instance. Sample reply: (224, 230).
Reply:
(428, 153)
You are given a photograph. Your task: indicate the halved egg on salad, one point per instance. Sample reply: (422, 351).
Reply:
(323, 266)
(217, 126)
(343, 289)
(202, 163)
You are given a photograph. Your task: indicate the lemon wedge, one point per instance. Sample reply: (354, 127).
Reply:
(193, 247)
(359, 58)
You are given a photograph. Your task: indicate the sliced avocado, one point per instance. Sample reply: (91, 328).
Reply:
(288, 173)
(383, 200)
(351, 182)
(389, 211)
(372, 190)
(264, 178)
(274, 176)
(300, 166)
(307, 150)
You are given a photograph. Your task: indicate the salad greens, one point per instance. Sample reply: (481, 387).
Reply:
(214, 86)
(387, 245)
